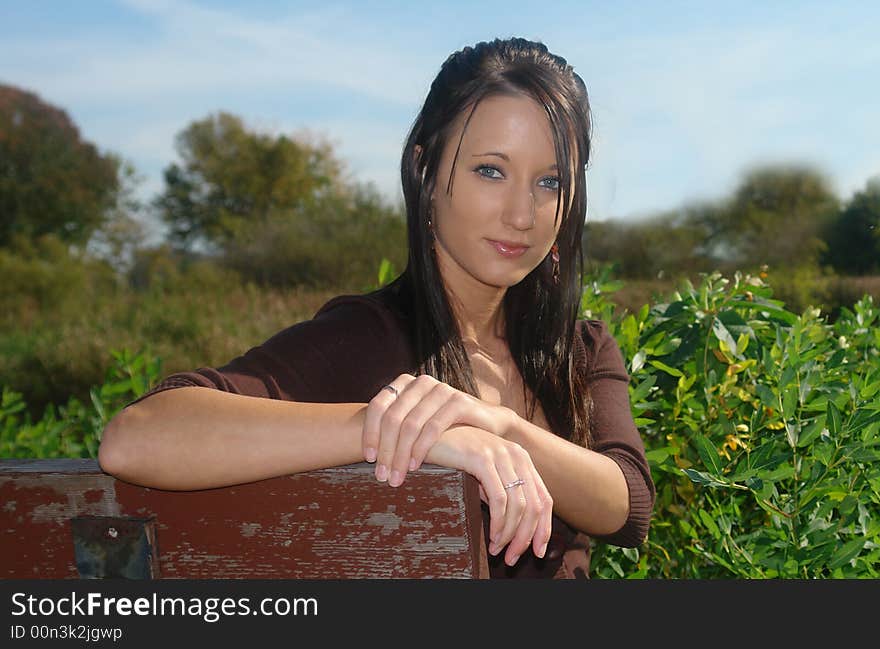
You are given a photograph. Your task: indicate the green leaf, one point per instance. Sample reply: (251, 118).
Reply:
(792, 432)
(742, 343)
(810, 433)
(99, 407)
(708, 454)
(723, 335)
(766, 395)
(789, 401)
(703, 478)
(638, 361)
(782, 472)
(833, 419)
(642, 389)
(663, 366)
(657, 455)
(847, 553)
(709, 524)
(775, 313)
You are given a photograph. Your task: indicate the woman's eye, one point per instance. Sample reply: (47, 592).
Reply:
(488, 172)
(551, 182)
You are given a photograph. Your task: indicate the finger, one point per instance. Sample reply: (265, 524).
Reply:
(413, 430)
(545, 522)
(377, 407)
(516, 505)
(525, 531)
(392, 419)
(446, 412)
(496, 497)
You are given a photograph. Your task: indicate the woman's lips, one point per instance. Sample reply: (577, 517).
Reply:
(506, 249)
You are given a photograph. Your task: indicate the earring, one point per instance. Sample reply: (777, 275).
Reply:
(554, 255)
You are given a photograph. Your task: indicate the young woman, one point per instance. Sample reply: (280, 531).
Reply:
(473, 358)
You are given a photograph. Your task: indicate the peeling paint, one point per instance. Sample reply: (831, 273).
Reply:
(100, 502)
(388, 521)
(249, 529)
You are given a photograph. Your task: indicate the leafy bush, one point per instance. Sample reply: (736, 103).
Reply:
(761, 428)
(75, 431)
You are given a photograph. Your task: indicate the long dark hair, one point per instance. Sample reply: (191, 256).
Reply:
(540, 314)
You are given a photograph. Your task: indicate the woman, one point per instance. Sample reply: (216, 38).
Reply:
(473, 358)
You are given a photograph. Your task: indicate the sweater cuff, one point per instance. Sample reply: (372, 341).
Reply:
(641, 505)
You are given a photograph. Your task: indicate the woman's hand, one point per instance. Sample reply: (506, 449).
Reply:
(520, 505)
(402, 424)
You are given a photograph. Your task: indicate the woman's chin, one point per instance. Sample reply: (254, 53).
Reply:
(503, 279)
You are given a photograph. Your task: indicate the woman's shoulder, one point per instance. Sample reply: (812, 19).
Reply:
(349, 319)
(598, 350)
(594, 334)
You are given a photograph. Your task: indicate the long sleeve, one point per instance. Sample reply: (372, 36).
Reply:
(614, 432)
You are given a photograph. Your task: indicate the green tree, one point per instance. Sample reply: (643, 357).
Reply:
(52, 181)
(854, 238)
(233, 180)
(777, 216)
(667, 244)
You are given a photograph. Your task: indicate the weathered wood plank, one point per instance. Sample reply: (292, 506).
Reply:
(333, 523)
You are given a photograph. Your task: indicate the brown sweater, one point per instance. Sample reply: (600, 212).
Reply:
(355, 344)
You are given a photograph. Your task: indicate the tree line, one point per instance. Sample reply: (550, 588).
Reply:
(783, 217)
(280, 210)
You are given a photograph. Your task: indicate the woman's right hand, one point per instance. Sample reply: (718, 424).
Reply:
(520, 515)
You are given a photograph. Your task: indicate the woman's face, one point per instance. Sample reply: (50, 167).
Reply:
(498, 223)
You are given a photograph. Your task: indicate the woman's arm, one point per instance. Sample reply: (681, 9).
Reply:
(607, 491)
(589, 489)
(199, 438)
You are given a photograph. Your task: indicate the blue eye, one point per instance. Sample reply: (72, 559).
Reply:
(554, 183)
(487, 171)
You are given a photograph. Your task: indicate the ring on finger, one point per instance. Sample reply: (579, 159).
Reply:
(515, 483)
(391, 388)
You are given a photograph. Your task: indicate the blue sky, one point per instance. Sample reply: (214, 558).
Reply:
(686, 96)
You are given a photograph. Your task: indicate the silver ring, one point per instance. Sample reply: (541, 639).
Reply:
(392, 389)
(515, 483)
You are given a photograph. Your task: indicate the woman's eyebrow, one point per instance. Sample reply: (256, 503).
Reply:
(505, 157)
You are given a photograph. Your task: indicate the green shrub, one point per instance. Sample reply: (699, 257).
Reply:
(761, 428)
(75, 431)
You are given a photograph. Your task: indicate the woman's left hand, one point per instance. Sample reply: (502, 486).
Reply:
(401, 428)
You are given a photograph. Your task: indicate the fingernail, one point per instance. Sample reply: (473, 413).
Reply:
(543, 550)
(412, 464)
(513, 560)
(381, 473)
(493, 549)
(370, 454)
(395, 478)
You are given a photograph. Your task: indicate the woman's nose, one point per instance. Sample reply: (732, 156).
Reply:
(520, 209)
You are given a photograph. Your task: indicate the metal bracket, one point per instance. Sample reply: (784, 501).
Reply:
(115, 547)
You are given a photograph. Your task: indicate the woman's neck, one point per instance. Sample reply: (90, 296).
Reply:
(478, 310)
